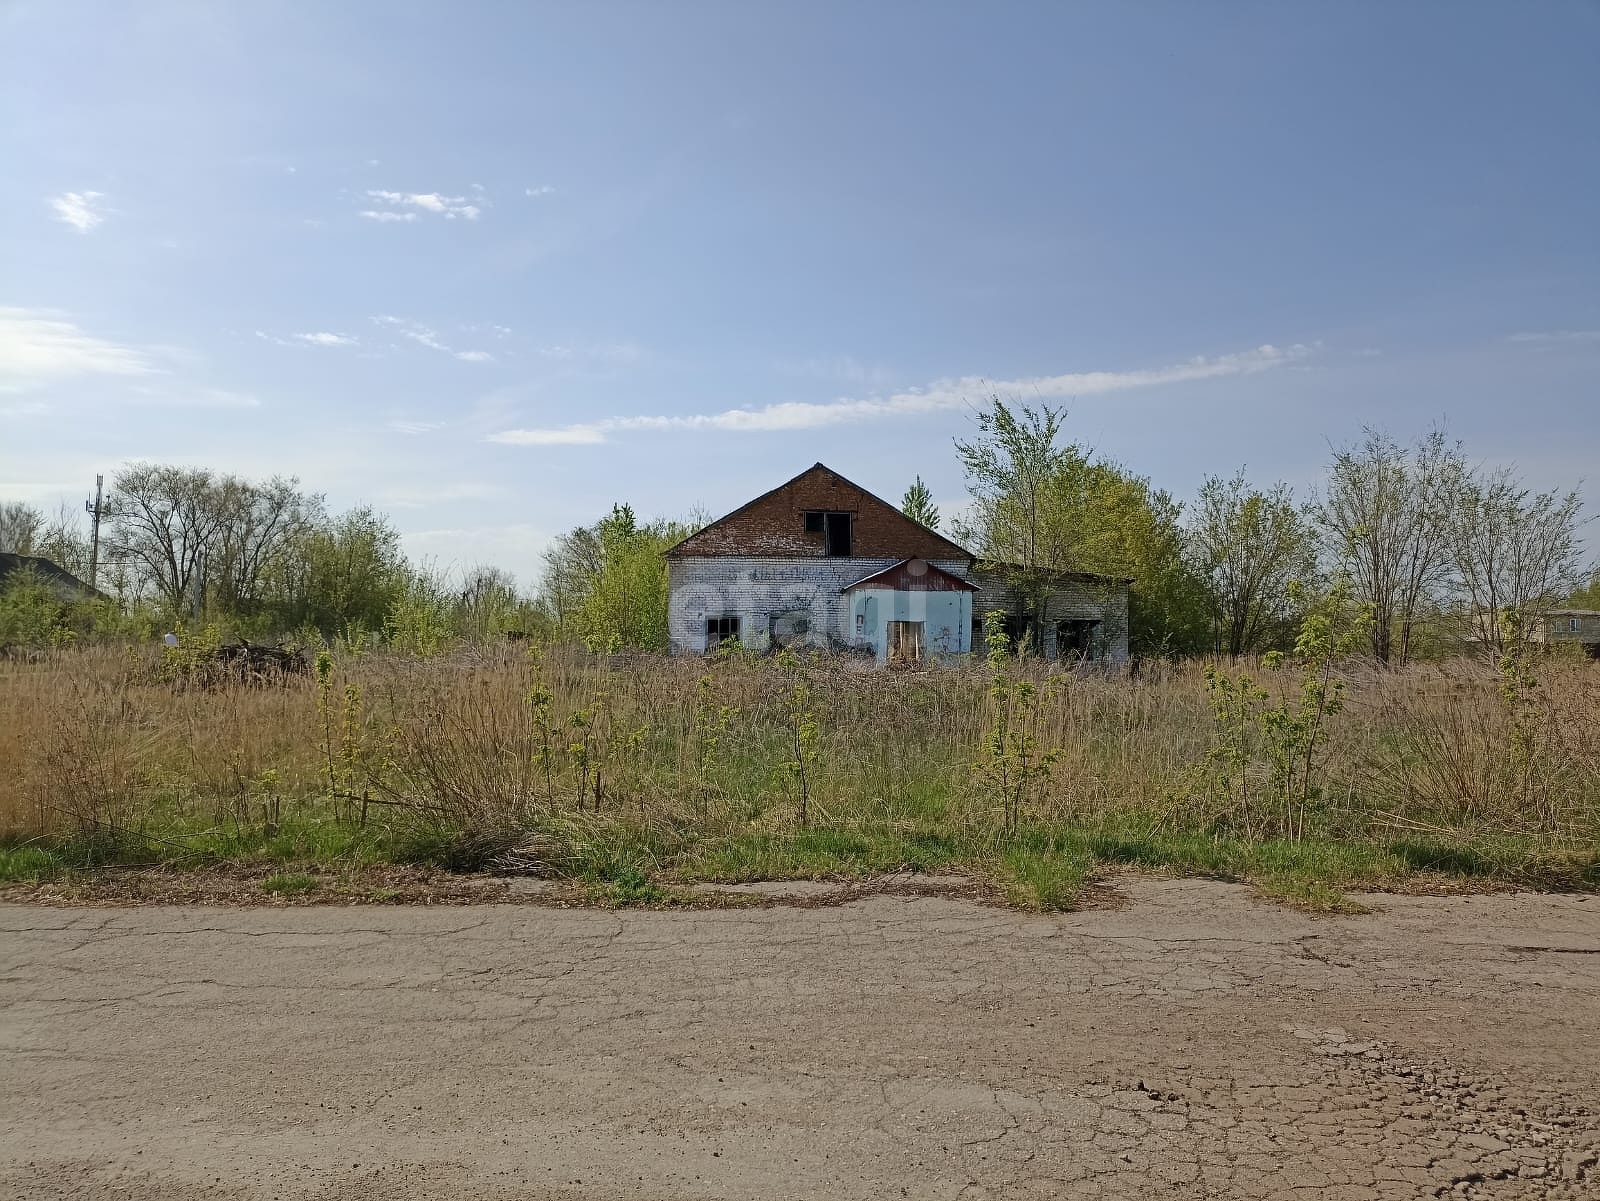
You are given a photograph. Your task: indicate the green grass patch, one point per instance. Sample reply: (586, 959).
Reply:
(816, 853)
(289, 883)
(1044, 877)
(29, 864)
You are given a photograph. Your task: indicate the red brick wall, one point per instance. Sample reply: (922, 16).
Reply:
(774, 524)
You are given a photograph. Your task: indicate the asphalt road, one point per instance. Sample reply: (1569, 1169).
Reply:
(1193, 1043)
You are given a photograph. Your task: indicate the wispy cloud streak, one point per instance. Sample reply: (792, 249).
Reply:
(940, 396)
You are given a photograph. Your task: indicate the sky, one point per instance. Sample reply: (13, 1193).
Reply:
(493, 267)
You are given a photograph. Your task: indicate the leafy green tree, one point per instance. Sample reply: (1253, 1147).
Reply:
(918, 505)
(1042, 506)
(1587, 597)
(1249, 547)
(606, 584)
(340, 575)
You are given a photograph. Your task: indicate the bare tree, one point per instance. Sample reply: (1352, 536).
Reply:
(19, 526)
(61, 539)
(1515, 552)
(1248, 546)
(166, 520)
(260, 522)
(1387, 519)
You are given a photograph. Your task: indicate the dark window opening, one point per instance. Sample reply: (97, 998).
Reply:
(720, 630)
(835, 531)
(836, 535)
(1075, 638)
(1017, 627)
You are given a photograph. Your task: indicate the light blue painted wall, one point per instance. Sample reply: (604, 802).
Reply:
(946, 618)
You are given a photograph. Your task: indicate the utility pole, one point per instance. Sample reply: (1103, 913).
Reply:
(97, 508)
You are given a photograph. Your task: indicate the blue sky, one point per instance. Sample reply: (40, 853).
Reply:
(492, 267)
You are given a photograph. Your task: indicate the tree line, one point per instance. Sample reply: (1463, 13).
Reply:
(267, 559)
(1438, 550)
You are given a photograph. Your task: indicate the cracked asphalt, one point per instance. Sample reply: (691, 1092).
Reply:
(1194, 1043)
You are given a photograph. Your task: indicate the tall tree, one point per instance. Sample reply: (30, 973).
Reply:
(1009, 465)
(918, 505)
(165, 520)
(1387, 521)
(1042, 506)
(62, 540)
(1515, 551)
(607, 583)
(20, 525)
(260, 522)
(342, 573)
(1247, 546)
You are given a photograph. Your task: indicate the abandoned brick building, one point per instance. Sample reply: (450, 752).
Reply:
(820, 561)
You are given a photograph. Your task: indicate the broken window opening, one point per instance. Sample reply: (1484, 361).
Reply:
(834, 528)
(720, 630)
(836, 535)
(1075, 639)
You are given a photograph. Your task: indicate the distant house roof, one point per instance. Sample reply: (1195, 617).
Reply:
(1569, 612)
(998, 567)
(913, 575)
(772, 525)
(49, 572)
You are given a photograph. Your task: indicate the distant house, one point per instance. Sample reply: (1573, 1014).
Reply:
(61, 581)
(820, 561)
(1573, 626)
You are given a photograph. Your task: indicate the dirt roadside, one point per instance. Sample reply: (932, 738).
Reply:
(1193, 1043)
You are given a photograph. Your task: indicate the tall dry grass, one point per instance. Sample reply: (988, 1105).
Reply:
(95, 743)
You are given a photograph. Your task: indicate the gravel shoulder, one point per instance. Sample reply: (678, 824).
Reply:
(1190, 1042)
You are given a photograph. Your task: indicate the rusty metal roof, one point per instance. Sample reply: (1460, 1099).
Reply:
(913, 575)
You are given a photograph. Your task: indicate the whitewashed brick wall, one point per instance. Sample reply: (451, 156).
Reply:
(763, 592)
(801, 598)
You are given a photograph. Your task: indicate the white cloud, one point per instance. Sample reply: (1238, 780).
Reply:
(422, 335)
(77, 209)
(404, 206)
(541, 190)
(1557, 336)
(941, 396)
(415, 427)
(38, 346)
(567, 435)
(327, 339)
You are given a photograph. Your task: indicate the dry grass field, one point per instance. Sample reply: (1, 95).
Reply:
(635, 774)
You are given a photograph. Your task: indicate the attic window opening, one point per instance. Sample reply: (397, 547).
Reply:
(834, 526)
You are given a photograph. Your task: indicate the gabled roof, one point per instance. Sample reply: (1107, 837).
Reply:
(48, 572)
(913, 575)
(770, 526)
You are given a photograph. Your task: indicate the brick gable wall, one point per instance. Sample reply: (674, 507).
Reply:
(773, 525)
